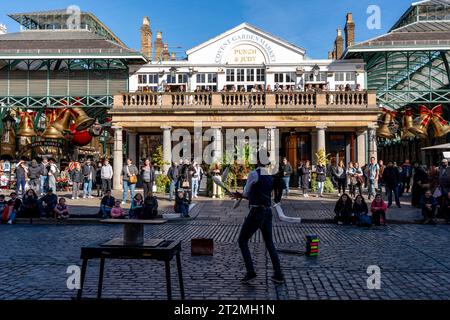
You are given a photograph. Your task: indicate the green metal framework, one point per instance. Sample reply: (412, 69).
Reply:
(408, 77)
(38, 84)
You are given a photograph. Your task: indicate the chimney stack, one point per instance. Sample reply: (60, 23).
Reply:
(146, 38)
(173, 57)
(165, 53)
(158, 46)
(349, 31)
(339, 44)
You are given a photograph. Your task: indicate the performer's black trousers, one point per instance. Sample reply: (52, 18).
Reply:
(259, 218)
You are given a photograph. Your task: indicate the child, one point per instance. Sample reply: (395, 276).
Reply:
(150, 209)
(378, 209)
(117, 212)
(428, 204)
(61, 210)
(360, 212)
(136, 207)
(343, 210)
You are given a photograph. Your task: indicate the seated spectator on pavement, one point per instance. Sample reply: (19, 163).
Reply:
(343, 210)
(61, 210)
(47, 204)
(182, 205)
(428, 204)
(3, 204)
(446, 209)
(137, 204)
(13, 207)
(379, 210)
(360, 212)
(107, 204)
(117, 212)
(150, 210)
(30, 207)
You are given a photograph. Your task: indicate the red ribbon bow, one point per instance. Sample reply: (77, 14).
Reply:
(428, 114)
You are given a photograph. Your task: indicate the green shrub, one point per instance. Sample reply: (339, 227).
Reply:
(162, 183)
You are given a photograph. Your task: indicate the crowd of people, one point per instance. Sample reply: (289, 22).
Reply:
(35, 189)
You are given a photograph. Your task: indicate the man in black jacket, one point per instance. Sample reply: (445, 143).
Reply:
(391, 178)
(286, 171)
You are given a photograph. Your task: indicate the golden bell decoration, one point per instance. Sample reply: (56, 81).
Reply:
(384, 131)
(441, 127)
(62, 122)
(51, 132)
(408, 122)
(26, 126)
(82, 120)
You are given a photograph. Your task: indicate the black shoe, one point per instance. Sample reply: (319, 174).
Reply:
(279, 279)
(187, 216)
(249, 276)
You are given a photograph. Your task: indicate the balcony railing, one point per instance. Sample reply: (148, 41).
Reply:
(194, 101)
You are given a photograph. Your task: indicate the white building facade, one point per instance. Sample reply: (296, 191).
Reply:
(245, 57)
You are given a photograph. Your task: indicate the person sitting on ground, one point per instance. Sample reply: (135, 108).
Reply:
(3, 203)
(150, 210)
(361, 211)
(343, 210)
(182, 205)
(14, 205)
(137, 204)
(47, 204)
(378, 209)
(61, 210)
(30, 207)
(117, 212)
(428, 204)
(107, 204)
(446, 209)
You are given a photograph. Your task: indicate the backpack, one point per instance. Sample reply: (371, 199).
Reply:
(365, 220)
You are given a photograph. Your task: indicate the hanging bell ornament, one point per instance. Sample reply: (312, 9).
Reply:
(26, 127)
(384, 131)
(408, 122)
(82, 120)
(51, 132)
(62, 122)
(421, 123)
(441, 127)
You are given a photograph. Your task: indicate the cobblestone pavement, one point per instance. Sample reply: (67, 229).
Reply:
(414, 259)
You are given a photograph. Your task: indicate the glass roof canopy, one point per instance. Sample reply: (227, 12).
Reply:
(58, 19)
(409, 65)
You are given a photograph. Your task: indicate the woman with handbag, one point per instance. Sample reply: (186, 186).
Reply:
(359, 178)
(147, 176)
(351, 176)
(129, 178)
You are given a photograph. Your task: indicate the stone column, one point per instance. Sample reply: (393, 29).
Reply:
(132, 147)
(361, 146)
(313, 146)
(372, 140)
(118, 158)
(167, 147)
(321, 143)
(218, 144)
(272, 146)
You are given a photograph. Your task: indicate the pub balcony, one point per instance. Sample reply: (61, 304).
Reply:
(202, 101)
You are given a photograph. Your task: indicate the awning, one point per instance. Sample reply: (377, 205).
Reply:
(438, 147)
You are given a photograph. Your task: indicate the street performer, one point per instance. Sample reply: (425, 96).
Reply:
(258, 190)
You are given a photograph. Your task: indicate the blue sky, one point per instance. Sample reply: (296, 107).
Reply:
(308, 24)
